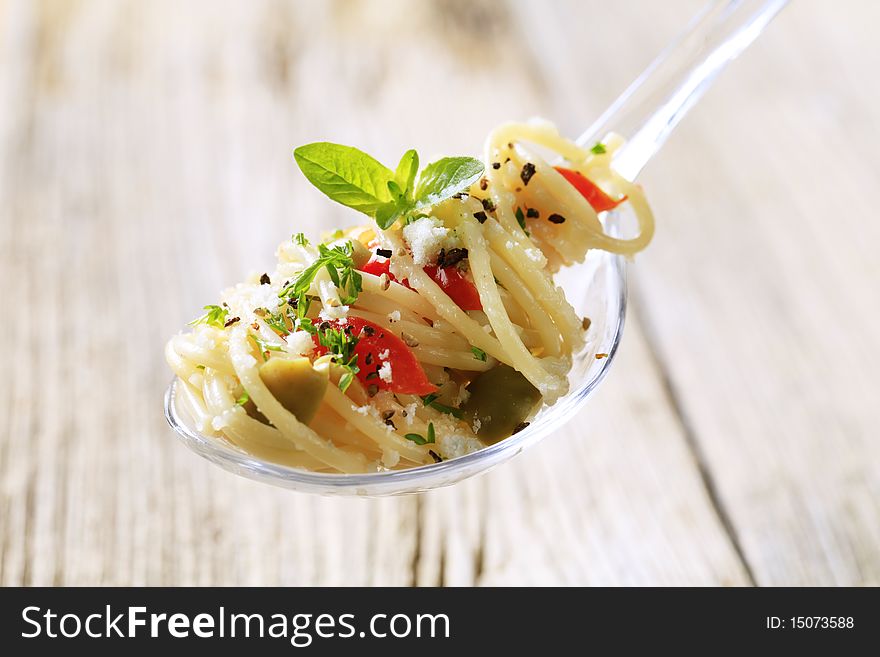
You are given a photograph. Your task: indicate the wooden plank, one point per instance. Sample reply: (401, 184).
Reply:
(154, 170)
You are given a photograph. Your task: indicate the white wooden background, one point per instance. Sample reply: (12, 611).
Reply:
(145, 163)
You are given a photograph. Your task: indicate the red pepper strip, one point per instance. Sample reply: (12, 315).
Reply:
(407, 375)
(450, 279)
(590, 191)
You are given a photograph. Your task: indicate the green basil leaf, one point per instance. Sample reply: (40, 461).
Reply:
(387, 215)
(397, 193)
(346, 175)
(406, 172)
(446, 177)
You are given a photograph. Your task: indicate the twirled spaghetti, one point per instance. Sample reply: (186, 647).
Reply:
(423, 335)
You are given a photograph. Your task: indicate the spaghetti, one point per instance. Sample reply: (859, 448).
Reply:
(423, 335)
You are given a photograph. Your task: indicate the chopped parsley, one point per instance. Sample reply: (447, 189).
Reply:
(418, 439)
(264, 346)
(479, 354)
(598, 148)
(244, 399)
(300, 239)
(277, 322)
(521, 220)
(215, 316)
(341, 269)
(345, 381)
(341, 345)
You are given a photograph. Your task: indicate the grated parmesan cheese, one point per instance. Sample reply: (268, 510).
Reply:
(409, 412)
(425, 237)
(300, 343)
(385, 372)
(457, 444)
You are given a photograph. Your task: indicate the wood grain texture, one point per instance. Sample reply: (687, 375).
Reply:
(145, 164)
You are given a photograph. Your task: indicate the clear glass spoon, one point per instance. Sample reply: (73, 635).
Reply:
(645, 114)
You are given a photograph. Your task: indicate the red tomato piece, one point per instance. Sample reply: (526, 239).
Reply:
(407, 375)
(450, 279)
(590, 191)
(378, 267)
(460, 289)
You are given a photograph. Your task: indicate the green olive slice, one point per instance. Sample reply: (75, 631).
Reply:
(296, 384)
(500, 399)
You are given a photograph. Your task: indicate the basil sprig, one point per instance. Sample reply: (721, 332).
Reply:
(353, 178)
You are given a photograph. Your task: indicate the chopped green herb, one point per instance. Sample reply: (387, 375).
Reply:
(306, 325)
(264, 346)
(276, 322)
(300, 240)
(520, 218)
(598, 148)
(479, 354)
(245, 397)
(345, 381)
(430, 400)
(215, 316)
(341, 269)
(341, 345)
(418, 439)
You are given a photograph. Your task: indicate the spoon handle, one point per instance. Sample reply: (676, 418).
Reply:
(650, 108)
